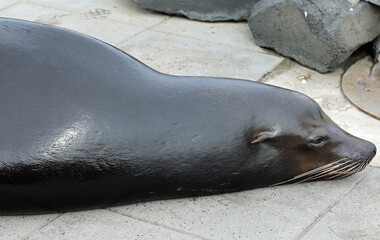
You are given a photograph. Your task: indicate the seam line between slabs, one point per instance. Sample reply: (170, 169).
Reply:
(327, 210)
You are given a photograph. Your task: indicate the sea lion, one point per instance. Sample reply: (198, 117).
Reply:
(84, 125)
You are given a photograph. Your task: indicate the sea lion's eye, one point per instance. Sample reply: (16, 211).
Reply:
(318, 142)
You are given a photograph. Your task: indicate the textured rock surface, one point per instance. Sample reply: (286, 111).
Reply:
(205, 10)
(318, 34)
(376, 49)
(377, 2)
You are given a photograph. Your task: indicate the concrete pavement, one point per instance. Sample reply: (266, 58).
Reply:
(343, 209)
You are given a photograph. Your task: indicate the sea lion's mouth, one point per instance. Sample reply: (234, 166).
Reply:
(338, 169)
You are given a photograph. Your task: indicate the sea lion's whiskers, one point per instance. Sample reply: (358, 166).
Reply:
(318, 170)
(364, 164)
(349, 169)
(339, 176)
(333, 171)
(332, 165)
(353, 169)
(359, 166)
(352, 166)
(313, 172)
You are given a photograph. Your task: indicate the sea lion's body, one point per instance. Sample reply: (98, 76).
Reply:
(85, 125)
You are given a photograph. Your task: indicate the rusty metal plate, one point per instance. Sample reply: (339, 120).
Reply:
(361, 85)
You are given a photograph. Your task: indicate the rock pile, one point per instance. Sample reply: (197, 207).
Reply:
(318, 34)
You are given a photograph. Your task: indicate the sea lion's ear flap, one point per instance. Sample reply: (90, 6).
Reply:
(261, 137)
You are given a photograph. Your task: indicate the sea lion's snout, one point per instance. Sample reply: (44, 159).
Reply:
(363, 150)
(368, 153)
(359, 149)
(371, 149)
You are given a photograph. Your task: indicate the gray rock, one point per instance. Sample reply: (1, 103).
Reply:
(376, 2)
(205, 10)
(318, 34)
(376, 49)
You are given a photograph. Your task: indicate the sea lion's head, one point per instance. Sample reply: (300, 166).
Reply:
(304, 144)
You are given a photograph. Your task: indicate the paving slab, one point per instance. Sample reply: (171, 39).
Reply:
(234, 34)
(173, 54)
(33, 12)
(270, 213)
(113, 33)
(124, 11)
(4, 4)
(19, 227)
(103, 29)
(102, 225)
(357, 216)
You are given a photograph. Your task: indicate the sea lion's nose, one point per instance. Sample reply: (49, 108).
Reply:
(371, 148)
